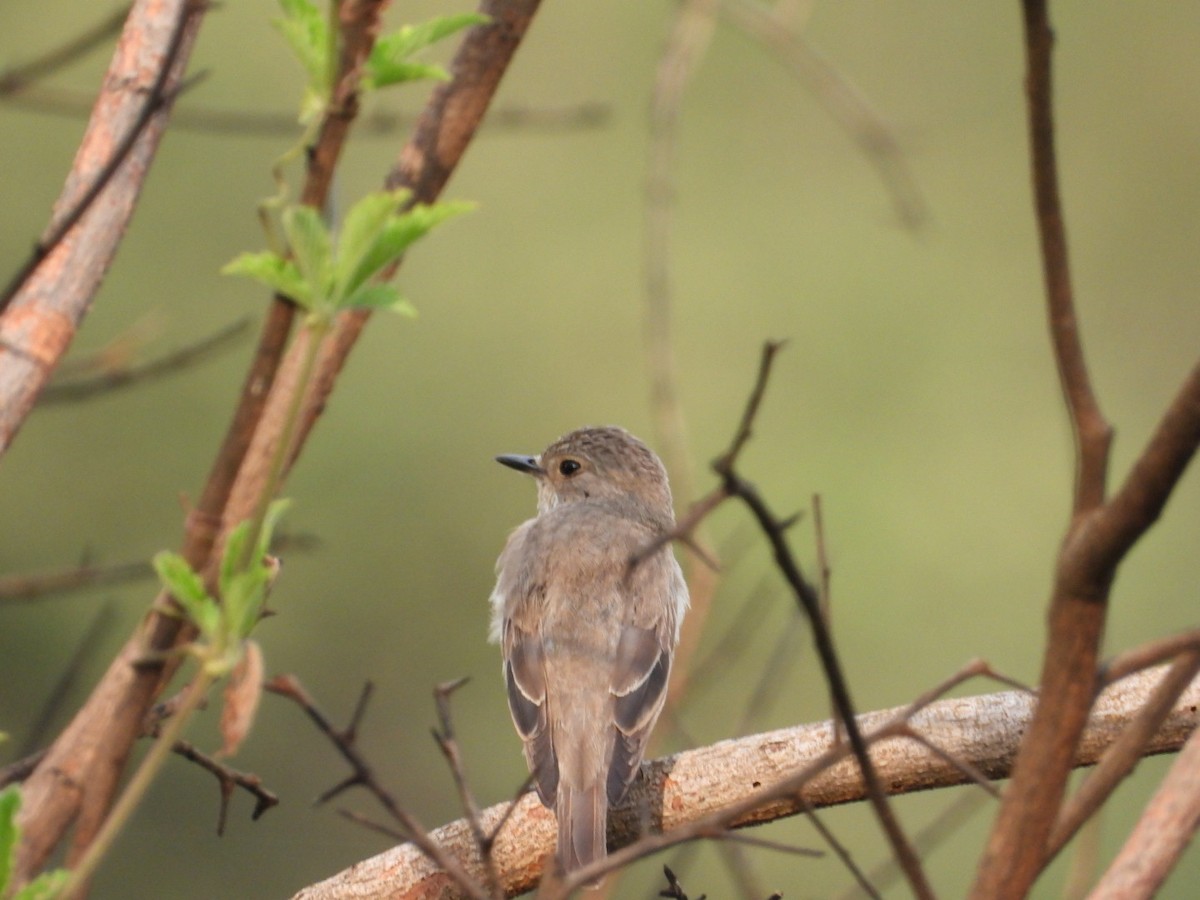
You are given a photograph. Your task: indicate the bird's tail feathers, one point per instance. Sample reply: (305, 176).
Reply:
(582, 826)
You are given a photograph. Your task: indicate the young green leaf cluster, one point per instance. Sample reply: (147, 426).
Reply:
(307, 31)
(322, 275)
(243, 583)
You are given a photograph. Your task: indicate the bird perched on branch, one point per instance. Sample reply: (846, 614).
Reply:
(587, 635)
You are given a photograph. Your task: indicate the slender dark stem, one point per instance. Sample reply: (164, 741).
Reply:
(196, 352)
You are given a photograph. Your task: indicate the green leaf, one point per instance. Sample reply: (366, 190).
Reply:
(10, 805)
(188, 589)
(244, 601)
(389, 60)
(401, 232)
(46, 886)
(306, 30)
(234, 548)
(400, 71)
(380, 296)
(359, 231)
(275, 272)
(309, 241)
(270, 522)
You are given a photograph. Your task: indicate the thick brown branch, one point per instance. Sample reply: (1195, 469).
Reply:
(80, 773)
(36, 329)
(758, 779)
(1097, 538)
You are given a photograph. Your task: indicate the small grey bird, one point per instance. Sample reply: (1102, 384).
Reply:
(587, 641)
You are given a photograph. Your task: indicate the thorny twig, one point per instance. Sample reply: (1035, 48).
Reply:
(363, 775)
(810, 603)
(228, 780)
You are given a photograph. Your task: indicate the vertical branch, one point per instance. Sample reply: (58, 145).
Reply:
(1016, 851)
(1092, 432)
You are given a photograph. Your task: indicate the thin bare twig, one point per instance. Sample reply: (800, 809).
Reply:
(363, 775)
(449, 746)
(1149, 654)
(113, 378)
(844, 103)
(750, 840)
(371, 825)
(228, 780)
(31, 588)
(24, 588)
(810, 604)
(377, 123)
(689, 37)
(947, 823)
(19, 77)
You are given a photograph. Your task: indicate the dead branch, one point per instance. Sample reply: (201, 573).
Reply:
(690, 34)
(764, 777)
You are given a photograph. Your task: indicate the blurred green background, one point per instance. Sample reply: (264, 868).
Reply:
(917, 394)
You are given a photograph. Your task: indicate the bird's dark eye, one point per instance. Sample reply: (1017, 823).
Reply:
(568, 467)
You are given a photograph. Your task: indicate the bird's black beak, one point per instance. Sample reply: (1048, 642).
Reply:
(521, 463)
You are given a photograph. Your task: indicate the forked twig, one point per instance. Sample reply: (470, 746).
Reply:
(228, 780)
(810, 603)
(449, 746)
(363, 775)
